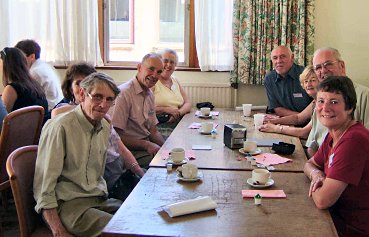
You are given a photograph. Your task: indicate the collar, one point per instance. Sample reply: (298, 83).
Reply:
(290, 74)
(85, 124)
(138, 88)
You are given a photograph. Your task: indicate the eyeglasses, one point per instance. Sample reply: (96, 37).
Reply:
(327, 65)
(98, 99)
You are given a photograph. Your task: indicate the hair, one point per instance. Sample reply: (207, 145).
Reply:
(29, 47)
(15, 70)
(341, 85)
(334, 51)
(307, 73)
(151, 55)
(74, 70)
(170, 51)
(98, 77)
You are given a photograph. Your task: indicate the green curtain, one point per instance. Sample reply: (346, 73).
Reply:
(261, 25)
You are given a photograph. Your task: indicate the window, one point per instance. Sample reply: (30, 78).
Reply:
(133, 28)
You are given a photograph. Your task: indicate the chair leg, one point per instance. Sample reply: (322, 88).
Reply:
(4, 199)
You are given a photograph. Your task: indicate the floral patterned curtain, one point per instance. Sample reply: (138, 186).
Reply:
(261, 25)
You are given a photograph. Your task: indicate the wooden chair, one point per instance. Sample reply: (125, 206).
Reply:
(21, 169)
(21, 127)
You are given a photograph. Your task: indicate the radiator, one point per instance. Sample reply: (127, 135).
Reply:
(218, 94)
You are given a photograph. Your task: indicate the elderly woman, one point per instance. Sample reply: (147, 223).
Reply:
(309, 82)
(119, 180)
(339, 171)
(171, 101)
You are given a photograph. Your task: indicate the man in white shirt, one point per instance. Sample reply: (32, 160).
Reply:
(42, 72)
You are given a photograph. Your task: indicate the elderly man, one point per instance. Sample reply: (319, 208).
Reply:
(283, 88)
(328, 62)
(133, 115)
(42, 72)
(69, 187)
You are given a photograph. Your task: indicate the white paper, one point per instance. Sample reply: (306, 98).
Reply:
(202, 203)
(201, 147)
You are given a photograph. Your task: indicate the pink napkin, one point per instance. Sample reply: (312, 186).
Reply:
(198, 125)
(264, 193)
(212, 113)
(189, 154)
(270, 159)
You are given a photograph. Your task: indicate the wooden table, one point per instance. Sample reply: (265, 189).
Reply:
(141, 214)
(221, 157)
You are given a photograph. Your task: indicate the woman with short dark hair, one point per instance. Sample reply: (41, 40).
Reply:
(339, 171)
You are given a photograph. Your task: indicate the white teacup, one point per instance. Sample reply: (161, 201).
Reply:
(177, 155)
(206, 127)
(189, 171)
(249, 146)
(246, 109)
(260, 176)
(205, 111)
(258, 120)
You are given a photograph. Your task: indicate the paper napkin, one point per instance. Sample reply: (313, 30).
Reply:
(212, 113)
(270, 159)
(202, 203)
(264, 193)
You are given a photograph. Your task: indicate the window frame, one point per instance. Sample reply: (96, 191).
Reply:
(189, 42)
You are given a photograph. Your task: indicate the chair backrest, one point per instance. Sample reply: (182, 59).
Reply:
(21, 169)
(21, 127)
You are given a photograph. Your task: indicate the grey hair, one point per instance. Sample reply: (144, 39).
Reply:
(151, 55)
(91, 80)
(170, 51)
(334, 51)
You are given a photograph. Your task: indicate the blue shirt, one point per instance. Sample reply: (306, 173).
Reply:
(286, 92)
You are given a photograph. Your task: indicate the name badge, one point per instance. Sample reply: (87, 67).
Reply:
(151, 113)
(297, 95)
(330, 160)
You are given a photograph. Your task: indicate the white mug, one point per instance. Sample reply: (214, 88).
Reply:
(189, 171)
(260, 176)
(249, 146)
(205, 111)
(246, 109)
(206, 127)
(177, 155)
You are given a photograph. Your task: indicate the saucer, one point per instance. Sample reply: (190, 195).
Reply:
(180, 177)
(205, 116)
(256, 152)
(205, 133)
(169, 161)
(269, 183)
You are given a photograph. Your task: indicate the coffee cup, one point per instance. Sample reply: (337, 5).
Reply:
(260, 176)
(246, 109)
(249, 146)
(189, 171)
(207, 127)
(205, 111)
(258, 120)
(177, 155)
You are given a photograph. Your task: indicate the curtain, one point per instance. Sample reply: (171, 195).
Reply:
(67, 30)
(261, 25)
(213, 32)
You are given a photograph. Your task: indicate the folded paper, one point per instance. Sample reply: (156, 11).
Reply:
(202, 203)
(198, 125)
(264, 193)
(270, 159)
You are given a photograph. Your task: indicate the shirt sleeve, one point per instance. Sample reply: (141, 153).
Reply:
(121, 111)
(272, 102)
(49, 165)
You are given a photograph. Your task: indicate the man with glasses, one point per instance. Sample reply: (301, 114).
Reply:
(69, 187)
(328, 62)
(133, 115)
(282, 84)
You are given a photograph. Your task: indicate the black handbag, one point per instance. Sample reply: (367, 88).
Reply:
(163, 117)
